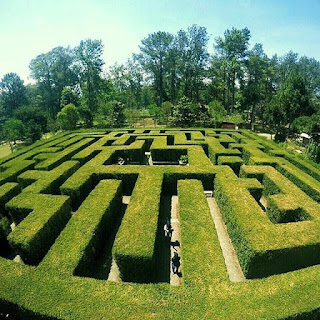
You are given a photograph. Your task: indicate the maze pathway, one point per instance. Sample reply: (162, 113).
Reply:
(230, 257)
(82, 216)
(175, 278)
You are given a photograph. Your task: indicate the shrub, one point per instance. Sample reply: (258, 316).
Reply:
(68, 117)
(184, 113)
(34, 120)
(217, 112)
(13, 130)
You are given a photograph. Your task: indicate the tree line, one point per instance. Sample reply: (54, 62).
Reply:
(172, 79)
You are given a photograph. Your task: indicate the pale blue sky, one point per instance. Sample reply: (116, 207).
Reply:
(31, 27)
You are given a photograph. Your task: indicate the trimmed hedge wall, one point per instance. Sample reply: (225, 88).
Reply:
(216, 149)
(201, 252)
(4, 232)
(46, 217)
(264, 248)
(134, 244)
(87, 230)
(48, 161)
(47, 181)
(233, 162)
(7, 192)
(38, 231)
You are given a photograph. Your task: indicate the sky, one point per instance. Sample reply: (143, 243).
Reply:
(32, 27)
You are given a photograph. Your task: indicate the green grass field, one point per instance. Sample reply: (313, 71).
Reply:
(4, 150)
(81, 237)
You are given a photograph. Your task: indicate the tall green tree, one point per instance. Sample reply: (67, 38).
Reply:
(292, 100)
(53, 71)
(254, 89)
(89, 67)
(13, 93)
(233, 49)
(193, 59)
(184, 112)
(154, 56)
(127, 80)
(13, 130)
(34, 120)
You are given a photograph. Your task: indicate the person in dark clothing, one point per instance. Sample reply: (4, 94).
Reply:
(168, 229)
(175, 263)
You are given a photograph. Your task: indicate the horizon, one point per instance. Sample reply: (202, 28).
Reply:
(32, 27)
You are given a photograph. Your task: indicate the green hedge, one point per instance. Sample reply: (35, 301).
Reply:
(7, 192)
(10, 171)
(48, 182)
(4, 232)
(216, 149)
(48, 161)
(201, 261)
(134, 244)
(160, 151)
(87, 231)
(233, 162)
(78, 186)
(270, 248)
(46, 217)
(304, 181)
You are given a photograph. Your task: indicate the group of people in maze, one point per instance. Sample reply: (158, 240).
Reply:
(175, 260)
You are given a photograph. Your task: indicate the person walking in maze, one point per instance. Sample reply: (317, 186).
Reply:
(175, 263)
(167, 229)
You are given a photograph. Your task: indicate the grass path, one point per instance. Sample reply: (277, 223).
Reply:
(230, 257)
(175, 279)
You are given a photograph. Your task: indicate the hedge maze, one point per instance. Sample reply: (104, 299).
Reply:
(82, 215)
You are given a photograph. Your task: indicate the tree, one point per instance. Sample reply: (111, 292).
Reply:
(217, 112)
(254, 90)
(154, 54)
(85, 114)
(68, 117)
(69, 96)
(89, 66)
(291, 101)
(155, 112)
(166, 110)
(13, 130)
(193, 58)
(118, 116)
(34, 120)
(53, 71)
(184, 113)
(233, 49)
(132, 116)
(13, 93)
(127, 81)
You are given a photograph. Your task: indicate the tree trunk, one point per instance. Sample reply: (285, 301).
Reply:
(161, 82)
(252, 117)
(233, 90)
